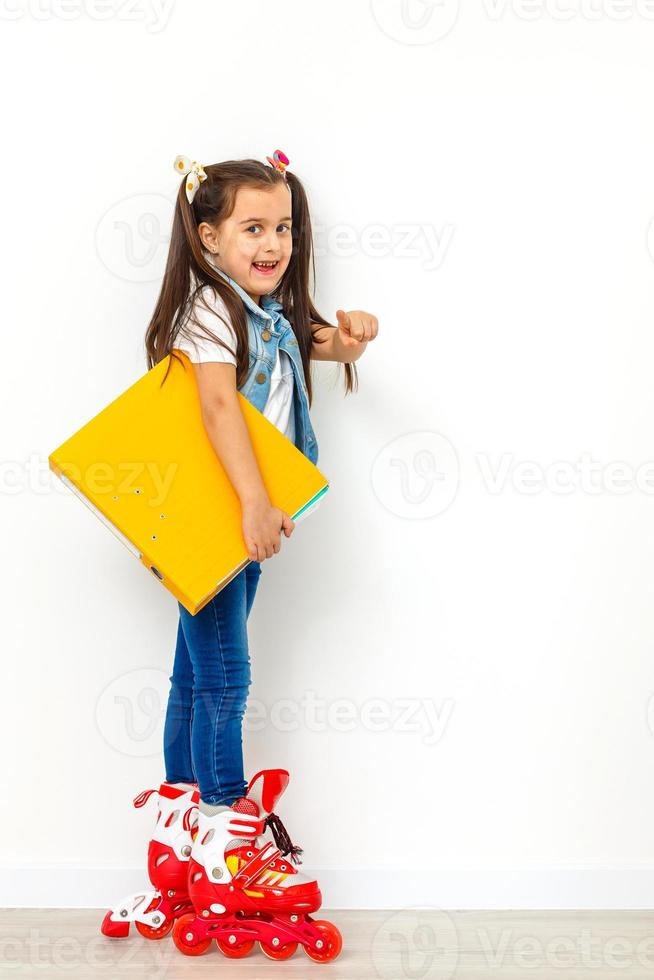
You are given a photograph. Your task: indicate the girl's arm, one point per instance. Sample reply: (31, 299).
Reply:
(228, 433)
(347, 341)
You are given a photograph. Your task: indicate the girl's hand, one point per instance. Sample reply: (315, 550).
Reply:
(356, 328)
(262, 525)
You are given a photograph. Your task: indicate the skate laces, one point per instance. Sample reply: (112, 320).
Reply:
(279, 832)
(282, 840)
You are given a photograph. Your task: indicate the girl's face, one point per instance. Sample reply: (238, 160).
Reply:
(253, 246)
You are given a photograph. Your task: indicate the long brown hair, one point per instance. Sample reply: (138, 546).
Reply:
(188, 273)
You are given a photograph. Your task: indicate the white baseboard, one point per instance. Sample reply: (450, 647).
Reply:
(366, 888)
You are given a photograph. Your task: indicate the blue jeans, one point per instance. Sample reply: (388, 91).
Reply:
(210, 681)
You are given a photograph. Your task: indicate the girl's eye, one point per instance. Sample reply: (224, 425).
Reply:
(255, 228)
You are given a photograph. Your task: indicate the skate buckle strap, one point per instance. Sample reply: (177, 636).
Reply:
(244, 825)
(190, 816)
(187, 818)
(250, 871)
(143, 797)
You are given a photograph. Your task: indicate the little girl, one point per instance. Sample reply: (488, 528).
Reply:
(235, 298)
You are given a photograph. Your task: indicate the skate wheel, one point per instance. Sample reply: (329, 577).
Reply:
(150, 932)
(235, 951)
(154, 932)
(332, 940)
(278, 952)
(186, 938)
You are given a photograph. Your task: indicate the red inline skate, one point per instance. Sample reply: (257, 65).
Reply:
(245, 891)
(154, 911)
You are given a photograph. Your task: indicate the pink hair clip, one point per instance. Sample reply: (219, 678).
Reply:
(279, 161)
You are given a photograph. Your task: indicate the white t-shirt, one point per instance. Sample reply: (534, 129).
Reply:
(200, 350)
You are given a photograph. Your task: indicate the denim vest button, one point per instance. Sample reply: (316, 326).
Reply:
(260, 378)
(266, 334)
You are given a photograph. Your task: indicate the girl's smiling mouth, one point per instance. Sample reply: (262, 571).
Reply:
(265, 268)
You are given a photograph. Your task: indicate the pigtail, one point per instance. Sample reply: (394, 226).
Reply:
(174, 293)
(295, 289)
(187, 273)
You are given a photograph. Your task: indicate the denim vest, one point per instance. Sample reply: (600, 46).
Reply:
(268, 330)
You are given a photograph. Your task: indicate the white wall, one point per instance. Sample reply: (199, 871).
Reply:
(491, 168)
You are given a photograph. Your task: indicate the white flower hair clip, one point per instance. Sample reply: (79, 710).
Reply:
(194, 175)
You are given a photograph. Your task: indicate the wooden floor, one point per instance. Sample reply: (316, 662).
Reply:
(411, 944)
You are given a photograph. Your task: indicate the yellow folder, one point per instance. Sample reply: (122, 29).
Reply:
(146, 467)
